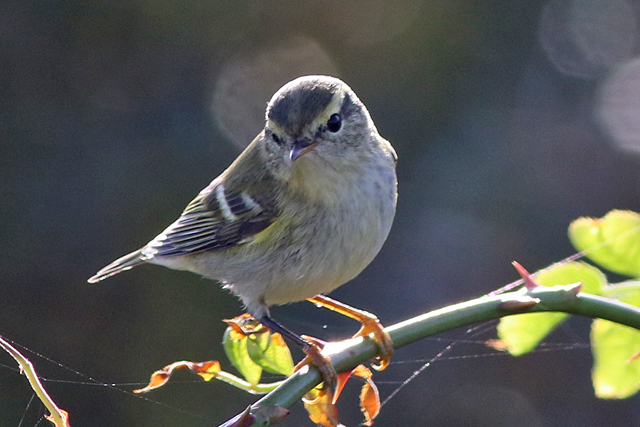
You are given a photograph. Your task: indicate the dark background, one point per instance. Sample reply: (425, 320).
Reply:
(510, 118)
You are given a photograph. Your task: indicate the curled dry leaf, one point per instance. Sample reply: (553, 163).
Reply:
(319, 404)
(369, 396)
(369, 402)
(207, 370)
(244, 325)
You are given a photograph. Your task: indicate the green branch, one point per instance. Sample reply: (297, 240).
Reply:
(348, 354)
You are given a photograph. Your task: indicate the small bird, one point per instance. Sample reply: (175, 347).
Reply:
(301, 211)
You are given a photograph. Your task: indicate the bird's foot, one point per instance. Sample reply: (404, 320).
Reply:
(370, 326)
(315, 357)
(311, 347)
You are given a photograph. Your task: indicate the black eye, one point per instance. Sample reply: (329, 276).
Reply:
(334, 123)
(275, 138)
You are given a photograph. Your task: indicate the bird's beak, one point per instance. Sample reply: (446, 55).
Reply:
(302, 147)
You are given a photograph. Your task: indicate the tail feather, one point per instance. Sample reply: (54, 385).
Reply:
(125, 263)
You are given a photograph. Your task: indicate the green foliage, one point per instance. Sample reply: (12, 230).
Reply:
(523, 333)
(613, 243)
(615, 375)
(271, 353)
(253, 353)
(238, 355)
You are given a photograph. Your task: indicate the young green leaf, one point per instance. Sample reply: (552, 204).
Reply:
(616, 373)
(269, 351)
(237, 353)
(522, 333)
(613, 241)
(613, 375)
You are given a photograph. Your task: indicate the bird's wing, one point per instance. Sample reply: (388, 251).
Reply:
(219, 218)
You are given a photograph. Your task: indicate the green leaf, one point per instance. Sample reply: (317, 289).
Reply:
(238, 355)
(270, 352)
(613, 242)
(522, 333)
(613, 375)
(593, 280)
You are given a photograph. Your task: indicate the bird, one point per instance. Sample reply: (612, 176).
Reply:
(301, 211)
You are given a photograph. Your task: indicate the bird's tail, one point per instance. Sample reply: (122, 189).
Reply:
(125, 263)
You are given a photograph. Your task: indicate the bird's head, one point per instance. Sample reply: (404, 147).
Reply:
(317, 119)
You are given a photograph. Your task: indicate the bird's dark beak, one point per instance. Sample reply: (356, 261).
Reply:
(301, 147)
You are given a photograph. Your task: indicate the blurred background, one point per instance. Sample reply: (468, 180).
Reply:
(510, 118)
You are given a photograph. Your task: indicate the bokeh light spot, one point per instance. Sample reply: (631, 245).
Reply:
(246, 83)
(619, 106)
(585, 38)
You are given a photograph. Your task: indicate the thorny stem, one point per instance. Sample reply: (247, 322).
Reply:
(348, 354)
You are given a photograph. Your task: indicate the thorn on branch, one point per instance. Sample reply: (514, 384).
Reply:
(529, 281)
(258, 416)
(245, 419)
(531, 284)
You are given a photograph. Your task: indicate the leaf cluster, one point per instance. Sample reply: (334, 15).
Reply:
(612, 243)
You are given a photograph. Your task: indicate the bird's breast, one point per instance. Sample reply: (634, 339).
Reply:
(338, 233)
(330, 227)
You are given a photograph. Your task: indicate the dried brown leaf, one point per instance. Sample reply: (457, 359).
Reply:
(319, 405)
(369, 401)
(362, 371)
(206, 370)
(244, 325)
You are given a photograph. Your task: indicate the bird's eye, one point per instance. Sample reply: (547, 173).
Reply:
(334, 123)
(275, 138)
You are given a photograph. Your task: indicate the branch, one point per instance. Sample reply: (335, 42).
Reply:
(58, 416)
(348, 354)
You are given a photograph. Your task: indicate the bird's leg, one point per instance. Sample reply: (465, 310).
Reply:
(370, 325)
(312, 350)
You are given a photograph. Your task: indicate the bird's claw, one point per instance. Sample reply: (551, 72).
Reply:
(371, 326)
(315, 357)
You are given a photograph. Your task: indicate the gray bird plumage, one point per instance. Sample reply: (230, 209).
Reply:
(301, 211)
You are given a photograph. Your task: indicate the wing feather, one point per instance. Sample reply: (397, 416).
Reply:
(206, 226)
